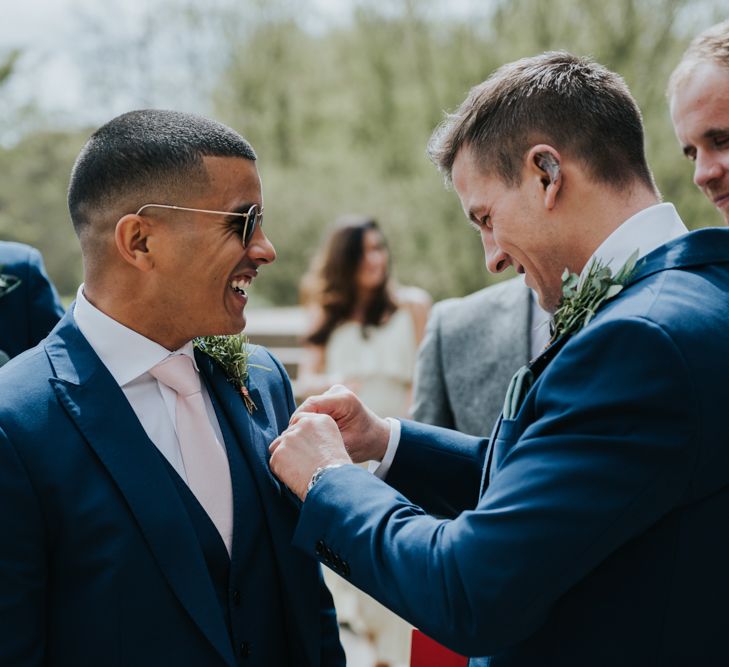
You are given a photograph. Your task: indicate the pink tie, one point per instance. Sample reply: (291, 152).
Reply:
(206, 464)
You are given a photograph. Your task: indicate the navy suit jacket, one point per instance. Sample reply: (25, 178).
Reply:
(99, 562)
(600, 537)
(31, 310)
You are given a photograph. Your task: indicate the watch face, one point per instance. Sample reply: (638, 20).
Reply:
(319, 473)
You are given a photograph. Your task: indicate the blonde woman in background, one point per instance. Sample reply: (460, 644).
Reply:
(364, 334)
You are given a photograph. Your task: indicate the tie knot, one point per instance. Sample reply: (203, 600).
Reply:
(178, 373)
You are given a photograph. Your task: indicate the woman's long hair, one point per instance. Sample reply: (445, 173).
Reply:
(331, 281)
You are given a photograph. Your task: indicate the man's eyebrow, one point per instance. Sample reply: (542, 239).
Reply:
(714, 132)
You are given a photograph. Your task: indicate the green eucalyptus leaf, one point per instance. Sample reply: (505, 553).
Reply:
(613, 290)
(582, 299)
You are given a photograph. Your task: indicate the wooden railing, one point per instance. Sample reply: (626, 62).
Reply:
(280, 330)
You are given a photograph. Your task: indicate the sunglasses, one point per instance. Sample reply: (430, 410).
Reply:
(253, 217)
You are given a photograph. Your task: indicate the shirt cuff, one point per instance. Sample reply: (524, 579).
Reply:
(381, 468)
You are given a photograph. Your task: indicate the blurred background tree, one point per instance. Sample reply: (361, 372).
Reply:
(339, 108)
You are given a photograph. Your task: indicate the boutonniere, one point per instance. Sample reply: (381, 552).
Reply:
(232, 354)
(581, 299)
(7, 283)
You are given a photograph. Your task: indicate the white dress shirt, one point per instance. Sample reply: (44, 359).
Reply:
(645, 231)
(129, 356)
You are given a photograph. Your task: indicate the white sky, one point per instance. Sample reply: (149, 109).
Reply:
(50, 34)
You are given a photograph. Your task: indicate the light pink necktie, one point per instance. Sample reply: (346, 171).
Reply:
(206, 464)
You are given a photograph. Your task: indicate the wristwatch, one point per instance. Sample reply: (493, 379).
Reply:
(320, 472)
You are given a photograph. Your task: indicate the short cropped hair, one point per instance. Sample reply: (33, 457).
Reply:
(145, 153)
(574, 104)
(711, 45)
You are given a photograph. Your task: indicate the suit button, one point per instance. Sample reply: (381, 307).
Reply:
(245, 650)
(320, 548)
(345, 569)
(235, 596)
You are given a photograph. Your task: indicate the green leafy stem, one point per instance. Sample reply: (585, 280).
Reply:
(233, 354)
(581, 299)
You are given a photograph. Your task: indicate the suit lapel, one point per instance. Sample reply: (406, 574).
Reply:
(103, 415)
(537, 367)
(699, 248)
(704, 246)
(485, 473)
(253, 433)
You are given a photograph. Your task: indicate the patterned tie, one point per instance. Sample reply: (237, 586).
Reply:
(206, 464)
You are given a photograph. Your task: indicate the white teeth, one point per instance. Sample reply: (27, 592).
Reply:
(239, 286)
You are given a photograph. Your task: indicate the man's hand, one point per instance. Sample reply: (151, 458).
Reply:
(311, 441)
(365, 434)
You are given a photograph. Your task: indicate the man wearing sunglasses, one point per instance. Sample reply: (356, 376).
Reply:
(141, 525)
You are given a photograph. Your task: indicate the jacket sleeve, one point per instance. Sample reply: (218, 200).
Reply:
(437, 468)
(431, 404)
(23, 570)
(609, 452)
(44, 305)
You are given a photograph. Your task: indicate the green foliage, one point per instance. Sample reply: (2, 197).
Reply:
(233, 354)
(341, 115)
(7, 65)
(33, 201)
(581, 299)
(361, 102)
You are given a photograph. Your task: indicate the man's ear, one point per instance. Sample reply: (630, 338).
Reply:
(130, 236)
(546, 165)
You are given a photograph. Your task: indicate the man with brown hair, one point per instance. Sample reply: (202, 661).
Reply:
(588, 529)
(698, 92)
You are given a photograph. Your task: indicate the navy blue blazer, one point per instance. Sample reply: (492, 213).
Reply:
(601, 535)
(31, 310)
(99, 561)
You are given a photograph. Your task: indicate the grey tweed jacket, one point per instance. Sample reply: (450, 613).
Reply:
(472, 347)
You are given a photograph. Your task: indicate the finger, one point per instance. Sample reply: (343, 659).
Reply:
(275, 444)
(329, 403)
(309, 405)
(336, 389)
(299, 418)
(296, 418)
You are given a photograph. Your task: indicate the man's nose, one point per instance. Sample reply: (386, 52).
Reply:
(261, 250)
(496, 259)
(707, 168)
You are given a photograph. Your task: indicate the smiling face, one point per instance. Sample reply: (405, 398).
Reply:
(514, 226)
(201, 270)
(700, 114)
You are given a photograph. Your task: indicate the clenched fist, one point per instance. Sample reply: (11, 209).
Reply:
(330, 429)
